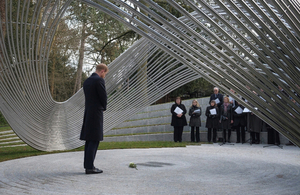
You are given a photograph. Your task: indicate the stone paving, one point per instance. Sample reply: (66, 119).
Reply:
(207, 169)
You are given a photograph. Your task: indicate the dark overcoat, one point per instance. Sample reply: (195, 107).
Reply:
(178, 121)
(226, 123)
(256, 124)
(239, 119)
(95, 104)
(195, 120)
(212, 121)
(214, 97)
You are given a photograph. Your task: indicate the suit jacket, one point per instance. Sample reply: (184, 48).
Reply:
(178, 121)
(219, 96)
(95, 104)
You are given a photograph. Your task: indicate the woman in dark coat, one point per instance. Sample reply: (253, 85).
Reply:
(212, 121)
(195, 113)
(255, 127)
(226, 118)
(239, 122)
(178, 119)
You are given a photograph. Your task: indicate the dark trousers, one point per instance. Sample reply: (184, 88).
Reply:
(193, 134)
(273, 136)
(178, 133)
(209, 134)
(90, 150)
(255, 137)
(224, 135)
(240, 129)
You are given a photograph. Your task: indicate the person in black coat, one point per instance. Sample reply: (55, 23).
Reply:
(239, 122)
(92, 127)
(216, 95)
(255, 127)
(212, 121)
(178, 111)
(226, 118)
(195, 113)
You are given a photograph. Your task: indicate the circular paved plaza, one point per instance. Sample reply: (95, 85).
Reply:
(206, 169)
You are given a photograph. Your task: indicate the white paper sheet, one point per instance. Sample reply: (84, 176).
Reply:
(217, 100)
(197, 111)
(246, 110)
(213, 111)
(178, 110)
(238, 110)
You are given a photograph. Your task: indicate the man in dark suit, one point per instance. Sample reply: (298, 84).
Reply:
(216, 95)
(92, 127)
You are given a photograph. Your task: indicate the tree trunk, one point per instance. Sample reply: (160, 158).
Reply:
(80, 62)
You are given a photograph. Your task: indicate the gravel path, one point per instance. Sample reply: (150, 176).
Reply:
(206, 169)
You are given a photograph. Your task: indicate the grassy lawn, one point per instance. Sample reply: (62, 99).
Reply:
(26, 151)
(5, 128)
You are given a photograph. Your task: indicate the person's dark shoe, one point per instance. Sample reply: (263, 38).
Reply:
(93, 171)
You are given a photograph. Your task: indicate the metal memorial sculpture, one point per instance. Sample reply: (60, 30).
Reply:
(249, 49)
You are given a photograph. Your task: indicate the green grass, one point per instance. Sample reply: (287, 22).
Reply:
(10, 135)
(12, 144)
(10, 153)
(5, 128)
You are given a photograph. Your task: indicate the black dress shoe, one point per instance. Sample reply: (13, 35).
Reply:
(93, 171)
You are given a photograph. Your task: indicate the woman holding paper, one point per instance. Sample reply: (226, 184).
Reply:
(195, 113)
(212, 121)
(226, 118)
(178, 119)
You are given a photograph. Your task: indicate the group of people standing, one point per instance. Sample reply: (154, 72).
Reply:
(226, 117)
(221, 114)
